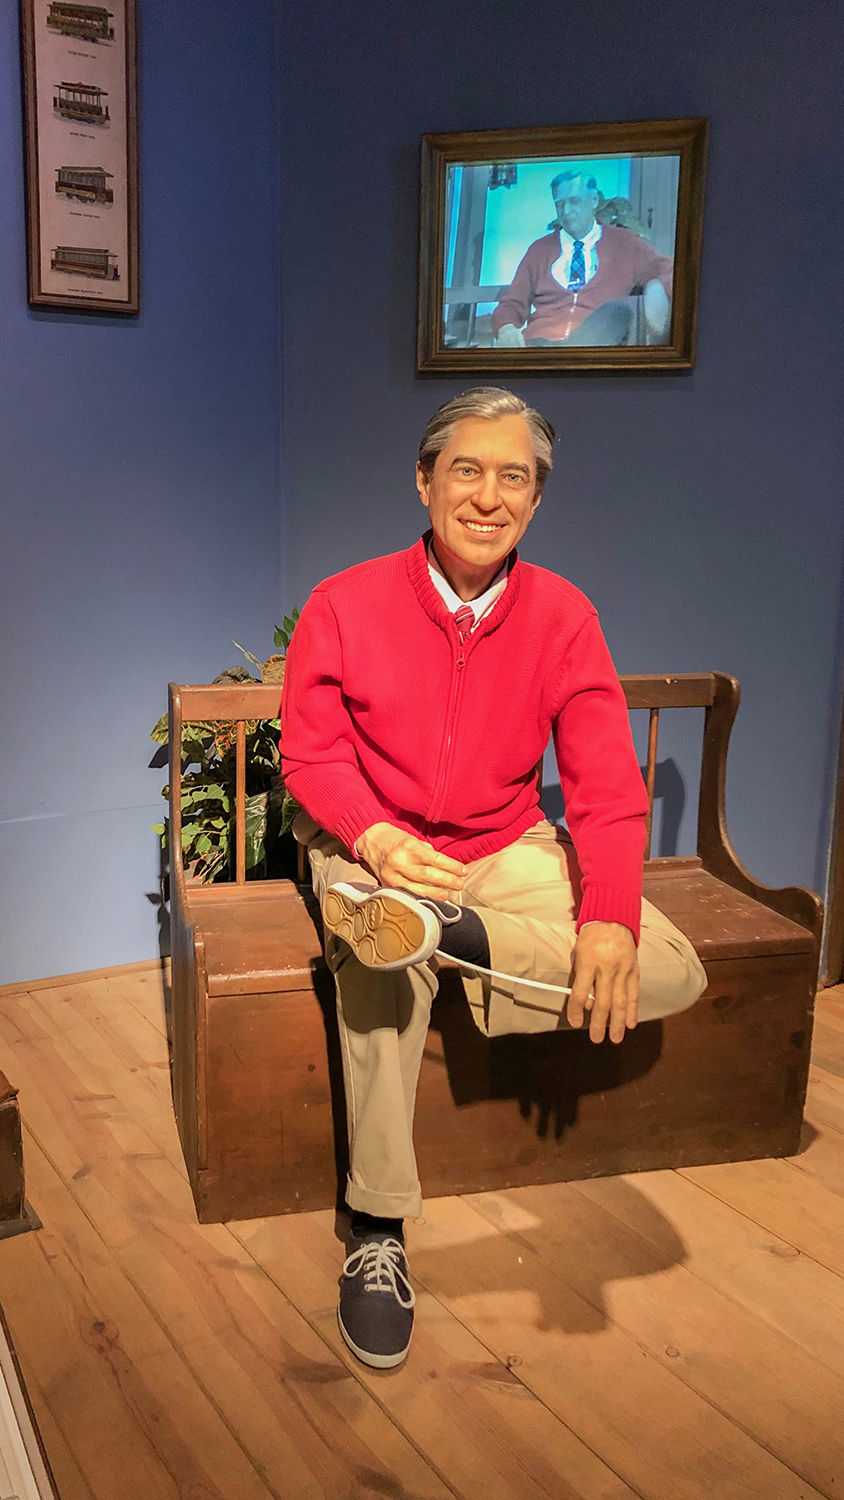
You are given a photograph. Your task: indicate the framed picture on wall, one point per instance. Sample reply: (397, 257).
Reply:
(81, 135)
(568, 248)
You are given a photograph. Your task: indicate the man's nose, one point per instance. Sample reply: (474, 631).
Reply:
(486, 492)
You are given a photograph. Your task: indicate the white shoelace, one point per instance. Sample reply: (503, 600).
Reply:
(447, 920)
(463, 963)
(380, 1261)
(533, 984)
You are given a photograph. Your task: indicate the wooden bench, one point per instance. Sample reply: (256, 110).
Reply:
(257, 1079)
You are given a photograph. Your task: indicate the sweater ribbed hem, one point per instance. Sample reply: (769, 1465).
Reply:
(609, 903)
(355, 821)
(476, 846)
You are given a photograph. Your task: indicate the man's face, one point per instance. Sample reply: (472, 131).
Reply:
(482, 492)
(575, 205)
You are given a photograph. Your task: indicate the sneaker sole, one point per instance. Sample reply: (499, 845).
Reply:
(381, 931)
(366, 1357)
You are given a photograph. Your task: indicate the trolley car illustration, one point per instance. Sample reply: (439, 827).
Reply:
(98, 263)
(87, 22)
(88, 184)
(81, 101)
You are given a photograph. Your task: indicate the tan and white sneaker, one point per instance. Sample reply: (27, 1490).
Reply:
(388, 928)
(385, 928)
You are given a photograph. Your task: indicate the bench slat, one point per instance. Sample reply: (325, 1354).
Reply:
(683, 690)
(225, 700)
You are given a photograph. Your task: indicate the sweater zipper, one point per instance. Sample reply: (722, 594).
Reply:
(438, 798)
(572, 311)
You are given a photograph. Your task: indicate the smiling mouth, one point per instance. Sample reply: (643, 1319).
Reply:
(482, 528)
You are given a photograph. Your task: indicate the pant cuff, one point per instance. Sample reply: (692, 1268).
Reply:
(384, 1205)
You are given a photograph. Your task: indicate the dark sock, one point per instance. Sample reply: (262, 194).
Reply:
(364, 1224)
(465, 939)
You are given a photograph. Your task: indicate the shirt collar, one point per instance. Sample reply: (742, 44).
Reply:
(481, 605)
(588, 240)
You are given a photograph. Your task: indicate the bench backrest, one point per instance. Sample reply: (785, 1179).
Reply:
(717, 693)
(228, 702)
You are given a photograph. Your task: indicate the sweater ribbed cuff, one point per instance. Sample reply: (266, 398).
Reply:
(355, 821)
(610, 903)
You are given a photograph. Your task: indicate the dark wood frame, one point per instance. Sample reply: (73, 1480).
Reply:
(686, 138)
(834, 969)
(37, 297)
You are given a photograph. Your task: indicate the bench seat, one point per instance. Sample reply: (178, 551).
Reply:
(719, 921)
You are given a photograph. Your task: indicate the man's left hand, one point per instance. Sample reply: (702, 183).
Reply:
(605, 967)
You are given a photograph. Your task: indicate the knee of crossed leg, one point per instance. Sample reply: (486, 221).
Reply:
(686, 986)
(374, 999)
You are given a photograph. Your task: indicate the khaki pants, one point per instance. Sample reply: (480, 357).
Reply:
(526, 897)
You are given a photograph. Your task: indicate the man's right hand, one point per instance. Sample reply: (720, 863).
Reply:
(510, 337)
(399, 859)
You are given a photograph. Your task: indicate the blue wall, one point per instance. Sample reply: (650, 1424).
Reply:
(139, 460)
(701, 512)
(139, 481)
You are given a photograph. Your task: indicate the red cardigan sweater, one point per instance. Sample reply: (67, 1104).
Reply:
(386, 718)
(551, 311)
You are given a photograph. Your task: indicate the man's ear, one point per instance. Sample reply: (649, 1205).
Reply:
(537, 496)
(422, 484)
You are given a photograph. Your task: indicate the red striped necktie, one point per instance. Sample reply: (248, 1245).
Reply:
(464, 619)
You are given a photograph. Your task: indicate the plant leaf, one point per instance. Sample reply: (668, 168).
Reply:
(273, 669)
(235, 674)
(214, 863)
(248, 654)
(256, 829)
(289, 809)
(161, 732)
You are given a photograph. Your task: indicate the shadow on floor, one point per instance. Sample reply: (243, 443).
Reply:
(570, 1274)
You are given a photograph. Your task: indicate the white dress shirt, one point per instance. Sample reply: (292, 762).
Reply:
(480, 606)
(561, 269)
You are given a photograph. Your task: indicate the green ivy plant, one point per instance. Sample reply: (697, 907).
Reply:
(209, 780)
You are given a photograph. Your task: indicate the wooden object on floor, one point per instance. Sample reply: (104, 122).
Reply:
(11, 1156)
(256, 1070)
(16, 1216)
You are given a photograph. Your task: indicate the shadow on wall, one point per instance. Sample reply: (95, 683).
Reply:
(669, 805)
(159, 898)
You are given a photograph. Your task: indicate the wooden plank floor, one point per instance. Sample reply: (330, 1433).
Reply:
(669, 1335)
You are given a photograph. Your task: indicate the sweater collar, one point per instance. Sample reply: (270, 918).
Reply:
(435, 606)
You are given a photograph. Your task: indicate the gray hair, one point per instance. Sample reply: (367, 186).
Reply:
(571, 176)
(488, 402)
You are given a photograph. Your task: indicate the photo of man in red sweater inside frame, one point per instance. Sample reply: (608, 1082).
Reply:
(421, 690)
(574, 285)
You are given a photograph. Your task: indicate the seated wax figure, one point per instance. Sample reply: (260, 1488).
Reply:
(570, 286)
(421, 689)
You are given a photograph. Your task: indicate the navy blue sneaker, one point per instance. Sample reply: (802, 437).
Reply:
(375, 1311)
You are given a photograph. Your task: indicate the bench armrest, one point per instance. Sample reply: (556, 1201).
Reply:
(714, 847)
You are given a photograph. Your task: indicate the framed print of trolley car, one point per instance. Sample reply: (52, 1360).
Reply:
(566, 248)
(81, 135)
